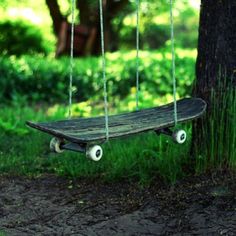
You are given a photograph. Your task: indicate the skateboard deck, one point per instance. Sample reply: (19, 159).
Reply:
(91, 130)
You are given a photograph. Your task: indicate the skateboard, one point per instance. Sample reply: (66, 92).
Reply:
(83, 134)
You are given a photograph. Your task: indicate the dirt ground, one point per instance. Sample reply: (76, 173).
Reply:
(51, 205)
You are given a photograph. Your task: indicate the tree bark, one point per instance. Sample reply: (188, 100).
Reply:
(217, 44)
(215, 67)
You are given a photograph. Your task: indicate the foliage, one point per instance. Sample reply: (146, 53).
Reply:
(155, 25)
(40, 79)
(20, 37)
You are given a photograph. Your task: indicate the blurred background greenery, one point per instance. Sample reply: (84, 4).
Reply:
(29, 71)
(29, 23)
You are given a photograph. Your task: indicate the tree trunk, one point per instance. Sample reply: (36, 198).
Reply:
(56, 15)
(216, 73)
(112, 9)
(88, 13)
(89, 17)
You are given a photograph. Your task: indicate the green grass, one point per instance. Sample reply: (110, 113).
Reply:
(220, 127)
(24, 151)
(142, 157)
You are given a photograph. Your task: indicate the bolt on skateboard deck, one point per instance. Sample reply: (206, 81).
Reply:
(80, 132)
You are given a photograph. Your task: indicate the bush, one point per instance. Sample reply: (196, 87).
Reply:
(20, 37)
(40, 79)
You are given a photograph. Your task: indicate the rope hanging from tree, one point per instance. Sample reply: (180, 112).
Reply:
(104, 70)
(173, 61)
(137, 54)
(104, 61)
(71, 56)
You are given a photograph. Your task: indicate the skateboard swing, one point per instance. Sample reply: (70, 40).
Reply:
(83, 134)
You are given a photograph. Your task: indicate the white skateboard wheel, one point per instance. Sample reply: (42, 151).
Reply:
(179, 136)
(94, 153)
(55, 145)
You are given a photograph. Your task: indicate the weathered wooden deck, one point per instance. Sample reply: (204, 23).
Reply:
(93, 129)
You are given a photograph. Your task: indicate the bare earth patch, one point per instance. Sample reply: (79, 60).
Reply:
(51, 205)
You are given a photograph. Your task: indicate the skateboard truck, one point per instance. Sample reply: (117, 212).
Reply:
(179, 136)
(93, 152)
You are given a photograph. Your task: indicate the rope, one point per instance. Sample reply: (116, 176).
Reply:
(71, 56)
(104, 70)
(137, 54)
(173, 61)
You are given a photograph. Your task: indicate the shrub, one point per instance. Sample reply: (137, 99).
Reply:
(20, 37)
(42, 79)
